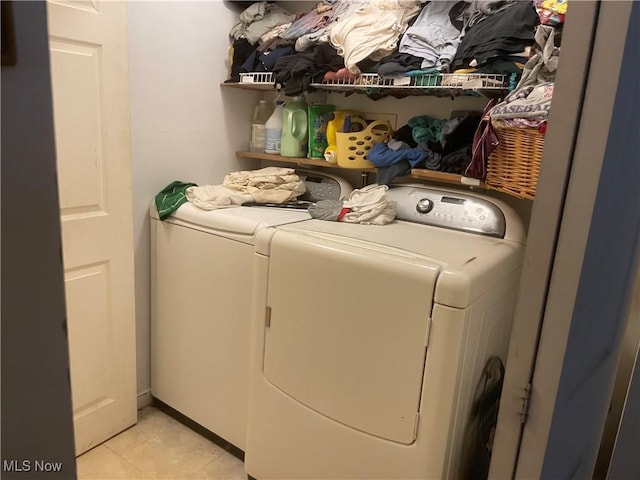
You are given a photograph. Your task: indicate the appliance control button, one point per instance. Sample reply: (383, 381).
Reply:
(424, 205)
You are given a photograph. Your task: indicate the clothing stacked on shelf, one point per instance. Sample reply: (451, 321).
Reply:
(446, 32)
(426, 142)
(498, 42)
(296, 72)
(256, 21)
(388, 37)
(531, 99)
(371, 31)
(357, 31)
(339, 9)
(435, 35)
(525, 107)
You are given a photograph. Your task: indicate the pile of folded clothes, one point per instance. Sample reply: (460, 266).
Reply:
(266, 185)
(339, 39)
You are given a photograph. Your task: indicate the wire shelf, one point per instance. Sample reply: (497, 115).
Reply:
(471, 81)
(449, 84)
(262, 78)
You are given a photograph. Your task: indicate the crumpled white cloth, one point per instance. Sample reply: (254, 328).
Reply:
(370, 206)
(266, 185)
(245, 178)
(269, 184)
(211, 197)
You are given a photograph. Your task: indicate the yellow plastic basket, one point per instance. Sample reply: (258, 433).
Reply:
(353, 147)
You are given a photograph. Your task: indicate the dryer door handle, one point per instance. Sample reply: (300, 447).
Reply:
(267, 316)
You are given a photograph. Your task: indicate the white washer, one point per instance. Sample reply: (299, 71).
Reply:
(202, 270)
(369, 340)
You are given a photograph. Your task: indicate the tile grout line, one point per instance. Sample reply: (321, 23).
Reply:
(219, 455)
(152, 477)
(138, 443)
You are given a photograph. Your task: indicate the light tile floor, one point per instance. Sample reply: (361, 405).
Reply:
(159, 447)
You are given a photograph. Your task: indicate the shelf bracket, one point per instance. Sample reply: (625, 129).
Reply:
(364, 179)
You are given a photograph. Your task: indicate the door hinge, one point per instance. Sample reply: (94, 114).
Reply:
(526, 403)
(267, 316)
(427, 334)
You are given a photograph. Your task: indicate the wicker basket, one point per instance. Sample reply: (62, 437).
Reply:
(514, 165)
(354, 147)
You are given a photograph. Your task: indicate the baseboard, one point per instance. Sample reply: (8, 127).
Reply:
(144, 399)
(196, 427)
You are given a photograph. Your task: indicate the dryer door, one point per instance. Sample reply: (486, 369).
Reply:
(347, 330)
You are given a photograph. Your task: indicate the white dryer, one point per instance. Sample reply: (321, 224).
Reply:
(369, 341)
(201, 278)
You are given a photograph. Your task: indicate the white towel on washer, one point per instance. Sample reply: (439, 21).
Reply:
(266, 185)
(211, 197)
(269, 184)
(244, 178)
(370, 206)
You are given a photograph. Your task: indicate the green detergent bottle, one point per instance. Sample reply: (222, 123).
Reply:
(294, 129)
(319, 117)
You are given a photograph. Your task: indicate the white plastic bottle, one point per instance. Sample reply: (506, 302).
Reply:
(261, 114)
(273, 130)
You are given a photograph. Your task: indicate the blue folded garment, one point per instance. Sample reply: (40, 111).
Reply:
(382, 156)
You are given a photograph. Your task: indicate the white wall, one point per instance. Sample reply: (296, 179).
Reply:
(184, 126)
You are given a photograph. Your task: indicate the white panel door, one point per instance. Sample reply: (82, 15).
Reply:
(87, 41)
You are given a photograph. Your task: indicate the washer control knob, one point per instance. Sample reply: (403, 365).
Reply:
(424, 205)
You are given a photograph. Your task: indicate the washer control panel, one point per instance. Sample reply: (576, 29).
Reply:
(455, 211)
(321, 186)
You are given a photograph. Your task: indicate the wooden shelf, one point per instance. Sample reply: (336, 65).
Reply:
(316, 162)
(416, 174)
(250, 86)
(454, 178)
